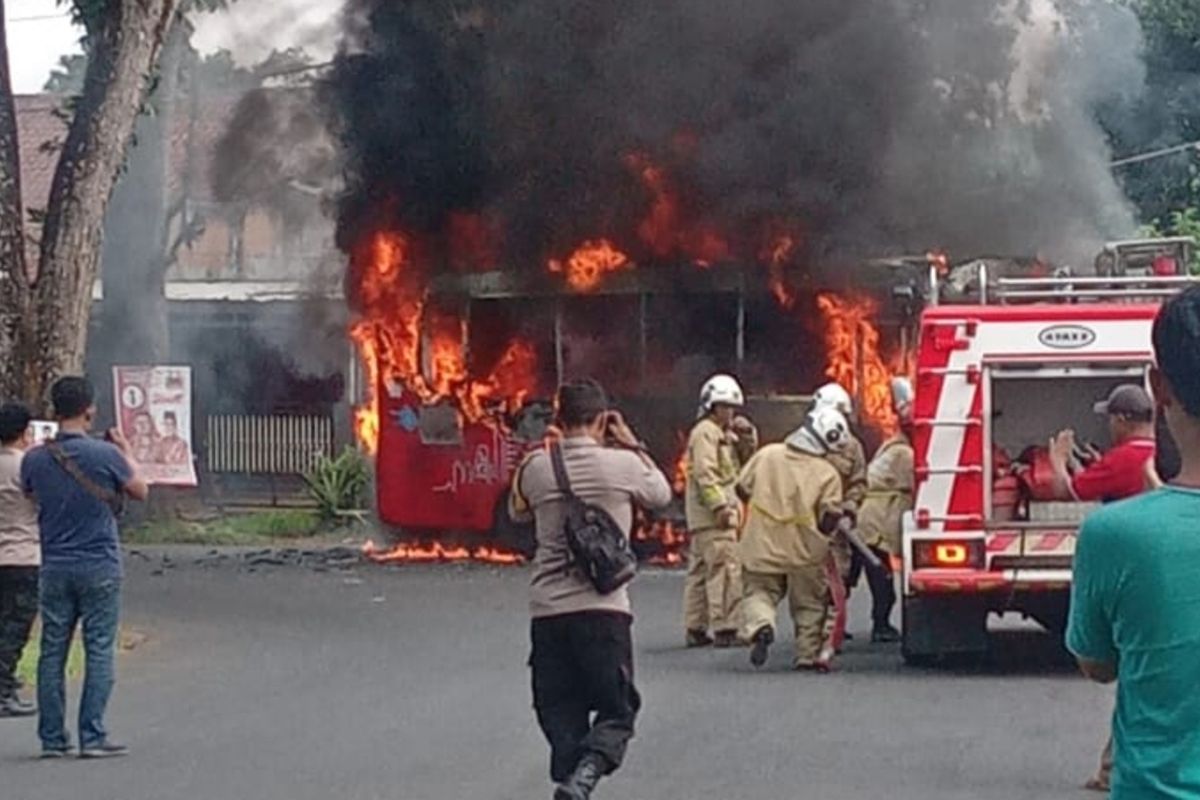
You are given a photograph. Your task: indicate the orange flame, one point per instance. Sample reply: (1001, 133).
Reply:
(776, 256)
(396, 343)
(670, 541)
(659, 229)
(663, 229)
(679, 480)
(852, 351)
(436, 552)
(679, 477)
(590, 263)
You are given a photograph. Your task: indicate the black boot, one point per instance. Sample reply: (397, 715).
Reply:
(884, 634)
(583, 780)
(761, 642)
(698, 638)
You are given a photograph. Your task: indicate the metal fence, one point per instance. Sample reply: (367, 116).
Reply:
(277, 445)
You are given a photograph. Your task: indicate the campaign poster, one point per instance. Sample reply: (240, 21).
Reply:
(154, 413)
(43, 430)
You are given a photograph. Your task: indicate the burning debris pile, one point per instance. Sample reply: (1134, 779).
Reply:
(570, 142)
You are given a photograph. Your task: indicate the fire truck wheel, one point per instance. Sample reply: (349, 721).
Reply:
(518, 536)
(937, 627)
(1050, 612)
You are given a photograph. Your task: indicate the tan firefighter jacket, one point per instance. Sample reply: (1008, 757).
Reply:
(851, 465)
(889, 494)
(789, 491)
(713, 460)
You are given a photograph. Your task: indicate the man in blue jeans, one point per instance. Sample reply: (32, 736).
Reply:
(78, 483)
(1135, 600)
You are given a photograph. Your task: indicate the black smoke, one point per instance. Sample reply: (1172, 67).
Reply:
(867, 126)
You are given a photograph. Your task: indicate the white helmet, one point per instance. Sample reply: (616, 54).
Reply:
(902, 396)
(824, 431)
(832, 395)
(720, 390)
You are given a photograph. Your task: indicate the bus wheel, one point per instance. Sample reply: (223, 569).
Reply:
(936, 627)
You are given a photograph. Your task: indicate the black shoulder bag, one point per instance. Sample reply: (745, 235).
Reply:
(598, 545)
(114, 500)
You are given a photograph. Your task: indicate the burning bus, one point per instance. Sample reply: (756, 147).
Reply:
(460, 367)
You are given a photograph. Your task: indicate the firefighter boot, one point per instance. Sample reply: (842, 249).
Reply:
(760, 643)
(582, 781)
(698, 638)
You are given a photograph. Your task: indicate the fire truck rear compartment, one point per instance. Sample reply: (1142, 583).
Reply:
(1029, 547)
(1028, 405)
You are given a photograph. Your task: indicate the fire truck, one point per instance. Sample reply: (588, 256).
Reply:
(999, 372)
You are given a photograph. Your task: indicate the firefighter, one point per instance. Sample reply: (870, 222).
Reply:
(794, 502)
(718, 444)
(850, 462)
(889, 495)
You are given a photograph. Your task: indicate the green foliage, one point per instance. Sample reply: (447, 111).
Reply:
(67, 77)
(1168, 113)
(253, 528)
(1179, 223)
(337, 484)
(27, 666)
(1180, 18)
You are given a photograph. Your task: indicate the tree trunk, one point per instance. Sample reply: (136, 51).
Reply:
(14, 279)
(123, 50)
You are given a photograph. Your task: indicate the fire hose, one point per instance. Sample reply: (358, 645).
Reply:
(850, 534)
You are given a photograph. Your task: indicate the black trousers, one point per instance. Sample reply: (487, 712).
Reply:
(583, 689)
(883, 590)
(18, 607)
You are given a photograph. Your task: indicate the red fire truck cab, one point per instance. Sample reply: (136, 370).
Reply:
(995, 380)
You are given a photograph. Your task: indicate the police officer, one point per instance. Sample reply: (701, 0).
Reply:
(716, 448)
(850, 461)
(889, 495)
(794, 502)
(582, 644)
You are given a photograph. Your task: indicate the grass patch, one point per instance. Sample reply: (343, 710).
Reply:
(254, 528)
(27, 666)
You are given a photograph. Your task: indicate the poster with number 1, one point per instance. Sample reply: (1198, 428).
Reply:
(154, 413)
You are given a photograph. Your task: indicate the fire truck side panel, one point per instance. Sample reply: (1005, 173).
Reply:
(953, 409)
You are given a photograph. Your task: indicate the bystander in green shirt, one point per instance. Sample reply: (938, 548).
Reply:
(1135, 603)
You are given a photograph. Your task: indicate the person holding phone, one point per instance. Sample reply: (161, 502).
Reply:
(77, 482)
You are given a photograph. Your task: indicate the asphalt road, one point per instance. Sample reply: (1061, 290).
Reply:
(410, 684)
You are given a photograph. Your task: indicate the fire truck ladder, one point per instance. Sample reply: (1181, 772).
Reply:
(1072, 288)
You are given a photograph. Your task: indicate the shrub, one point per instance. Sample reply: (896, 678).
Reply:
(337, 484)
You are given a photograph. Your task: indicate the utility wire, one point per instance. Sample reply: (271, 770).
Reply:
(37, 18)
(1166, 151)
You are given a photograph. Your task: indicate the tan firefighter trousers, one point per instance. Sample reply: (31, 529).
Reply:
(808, 600)
(712, 590)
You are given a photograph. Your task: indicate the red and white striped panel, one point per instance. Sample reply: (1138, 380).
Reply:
(955, 338)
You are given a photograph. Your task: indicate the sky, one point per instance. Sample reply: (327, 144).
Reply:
(40, 32)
